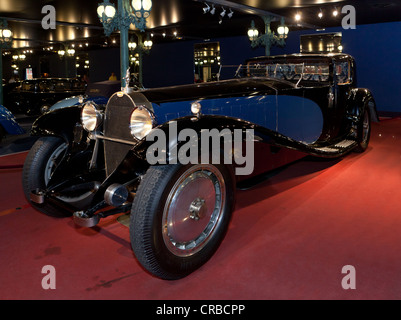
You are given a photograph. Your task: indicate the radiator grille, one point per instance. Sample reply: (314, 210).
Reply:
(116, 125)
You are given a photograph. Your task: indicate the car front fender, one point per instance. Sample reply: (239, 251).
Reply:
(194, 125)
(60, 122)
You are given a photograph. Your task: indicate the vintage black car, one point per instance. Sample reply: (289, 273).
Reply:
(148, 152)
(36, 96)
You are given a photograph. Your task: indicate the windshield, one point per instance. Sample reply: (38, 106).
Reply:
(309, 71)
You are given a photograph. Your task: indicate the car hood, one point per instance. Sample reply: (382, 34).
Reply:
(226, 88)
(67, 102)
(74, 101)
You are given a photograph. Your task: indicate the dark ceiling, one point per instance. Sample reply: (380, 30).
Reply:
(77, 21)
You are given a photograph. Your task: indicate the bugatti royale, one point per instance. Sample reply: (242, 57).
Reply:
(92, 161)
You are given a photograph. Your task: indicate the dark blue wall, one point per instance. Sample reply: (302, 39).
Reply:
(376, 48)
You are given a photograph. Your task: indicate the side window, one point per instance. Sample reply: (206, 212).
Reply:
(343, 73)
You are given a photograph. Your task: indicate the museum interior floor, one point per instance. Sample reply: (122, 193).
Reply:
(289, 238)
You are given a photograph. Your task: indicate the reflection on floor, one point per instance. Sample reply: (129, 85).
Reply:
(289, 238)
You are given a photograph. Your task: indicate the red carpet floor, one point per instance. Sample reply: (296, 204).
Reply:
(289, 238)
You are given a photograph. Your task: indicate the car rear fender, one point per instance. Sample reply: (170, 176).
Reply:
(362, 99)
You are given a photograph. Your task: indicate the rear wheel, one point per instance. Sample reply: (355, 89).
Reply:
(180, 216)
(363, 132)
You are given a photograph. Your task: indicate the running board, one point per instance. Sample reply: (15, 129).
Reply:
(339, 148)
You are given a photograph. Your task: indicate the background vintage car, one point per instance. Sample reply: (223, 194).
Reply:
(91, 161)
(97, 92)
(8, 124)
(36, 96)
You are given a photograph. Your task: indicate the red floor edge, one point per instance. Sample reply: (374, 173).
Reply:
(294, 236)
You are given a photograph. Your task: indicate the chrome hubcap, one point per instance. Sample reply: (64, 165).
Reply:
(196, 209)
(193, 210)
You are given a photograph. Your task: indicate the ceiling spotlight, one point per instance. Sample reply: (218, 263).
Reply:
(335, 12)
(320, 15)
(207, 9)
(213, 11)
(220, 20)
(230, 14)
(298, 17)
(223, 13)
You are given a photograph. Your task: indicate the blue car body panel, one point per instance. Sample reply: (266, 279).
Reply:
(9, 123)
(295, 117)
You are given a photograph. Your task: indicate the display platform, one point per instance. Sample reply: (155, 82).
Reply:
(290, 238)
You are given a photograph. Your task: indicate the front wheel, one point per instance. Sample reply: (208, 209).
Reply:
(180, 216)
(40, 163)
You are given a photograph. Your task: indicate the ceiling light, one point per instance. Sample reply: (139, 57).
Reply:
(335, 12)
(320, 15)
(230, 14)
(223, 13)
(207, 9)
(213, 11)
(298, 17)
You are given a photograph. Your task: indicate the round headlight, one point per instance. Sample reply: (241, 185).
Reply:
(90, 117)
(141, 123)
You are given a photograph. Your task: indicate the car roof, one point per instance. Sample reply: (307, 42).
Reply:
(50, 79)
(306, 56)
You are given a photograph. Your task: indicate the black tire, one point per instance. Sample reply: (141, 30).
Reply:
(2, 133)
(164, 191)
(36, 168)
(363, 132)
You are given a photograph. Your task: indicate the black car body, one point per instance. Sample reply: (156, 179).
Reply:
(294, 105)
(36, 96)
